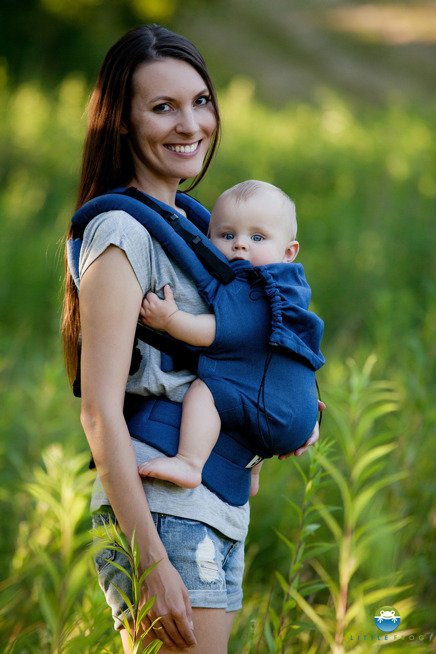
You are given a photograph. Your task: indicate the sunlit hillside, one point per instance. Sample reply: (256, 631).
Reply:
(371, 52)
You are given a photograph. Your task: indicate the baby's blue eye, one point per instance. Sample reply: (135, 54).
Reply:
(228, 236)
(257, 237)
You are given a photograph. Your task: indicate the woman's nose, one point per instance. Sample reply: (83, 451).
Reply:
(187, 123)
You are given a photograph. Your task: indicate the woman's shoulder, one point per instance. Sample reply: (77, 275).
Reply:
(115, 223)
(120, 229)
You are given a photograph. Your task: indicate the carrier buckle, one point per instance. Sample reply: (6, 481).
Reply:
(254, 461)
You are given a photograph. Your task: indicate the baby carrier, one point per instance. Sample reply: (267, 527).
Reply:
(266, 349)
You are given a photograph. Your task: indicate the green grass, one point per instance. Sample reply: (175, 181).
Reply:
(365, 187)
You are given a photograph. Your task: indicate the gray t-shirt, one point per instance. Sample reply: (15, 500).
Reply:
(154, 270)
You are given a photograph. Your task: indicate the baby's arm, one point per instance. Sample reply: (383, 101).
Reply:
(166, 316)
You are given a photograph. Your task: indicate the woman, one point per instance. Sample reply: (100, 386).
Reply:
(154, 122)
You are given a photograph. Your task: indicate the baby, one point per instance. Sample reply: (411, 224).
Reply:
(254, 222)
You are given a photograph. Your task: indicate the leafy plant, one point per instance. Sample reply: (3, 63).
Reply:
(283, 623)
(112, 538)
(48, 601)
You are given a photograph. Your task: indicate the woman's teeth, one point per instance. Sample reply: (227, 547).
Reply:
(183, 148)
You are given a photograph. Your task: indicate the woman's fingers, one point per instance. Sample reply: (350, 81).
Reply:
(314, 435)
(175, 632)
(168, 294)
(181, 627)
(183, 634)
(310, 441)
(172, 605)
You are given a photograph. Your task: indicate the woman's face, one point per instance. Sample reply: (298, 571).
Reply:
(172, 121)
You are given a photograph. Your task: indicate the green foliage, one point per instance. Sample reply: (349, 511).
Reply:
(48, 604)
(76, 34)
(365, 187)
(282, 623)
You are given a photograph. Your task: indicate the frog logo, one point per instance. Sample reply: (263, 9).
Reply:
(388, 619)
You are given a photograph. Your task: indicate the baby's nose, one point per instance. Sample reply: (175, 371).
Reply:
(240, 243)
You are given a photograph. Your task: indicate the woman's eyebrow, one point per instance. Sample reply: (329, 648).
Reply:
(161, 98)
(166, 98)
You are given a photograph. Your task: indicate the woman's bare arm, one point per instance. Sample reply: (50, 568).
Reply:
(110, 299)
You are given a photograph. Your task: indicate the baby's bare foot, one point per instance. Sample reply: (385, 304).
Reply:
(175, 469)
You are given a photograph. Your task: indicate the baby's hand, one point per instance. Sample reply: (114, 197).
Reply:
(155, 312)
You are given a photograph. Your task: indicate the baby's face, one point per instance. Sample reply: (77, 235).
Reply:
(255, 230)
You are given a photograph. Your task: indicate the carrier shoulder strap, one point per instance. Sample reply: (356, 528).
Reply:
(216, 266)
(150, 213)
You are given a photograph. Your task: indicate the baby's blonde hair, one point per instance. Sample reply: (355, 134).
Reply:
(251, 187)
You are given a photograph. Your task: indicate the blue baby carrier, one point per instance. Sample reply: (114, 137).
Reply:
(260, 367)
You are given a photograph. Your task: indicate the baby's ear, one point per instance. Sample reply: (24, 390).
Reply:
(291, 251)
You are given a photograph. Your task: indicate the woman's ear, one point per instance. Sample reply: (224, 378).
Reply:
(123, 129)
(291, 251)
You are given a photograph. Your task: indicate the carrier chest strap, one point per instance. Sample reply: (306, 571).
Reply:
(219, 269)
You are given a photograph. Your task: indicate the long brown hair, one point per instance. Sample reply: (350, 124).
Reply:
(107, 161)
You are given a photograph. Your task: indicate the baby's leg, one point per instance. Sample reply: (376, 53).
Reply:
(199, 432)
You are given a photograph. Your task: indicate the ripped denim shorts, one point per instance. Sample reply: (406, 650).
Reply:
(210, 564)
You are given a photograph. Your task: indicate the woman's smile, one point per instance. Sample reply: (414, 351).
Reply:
(183, 148)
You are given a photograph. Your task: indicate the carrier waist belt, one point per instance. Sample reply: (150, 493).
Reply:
(156, 422)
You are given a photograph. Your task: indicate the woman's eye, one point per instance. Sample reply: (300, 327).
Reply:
(257, 237)
(161, 108)
(202, 100)
(228, 236)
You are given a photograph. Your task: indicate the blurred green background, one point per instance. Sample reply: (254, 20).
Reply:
(335, 102)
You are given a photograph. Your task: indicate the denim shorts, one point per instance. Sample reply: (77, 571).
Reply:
(210, 564)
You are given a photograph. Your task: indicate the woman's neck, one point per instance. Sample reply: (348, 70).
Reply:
(163, 190)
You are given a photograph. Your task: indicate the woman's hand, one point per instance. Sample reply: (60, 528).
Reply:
(175, 627)
(310, 441)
